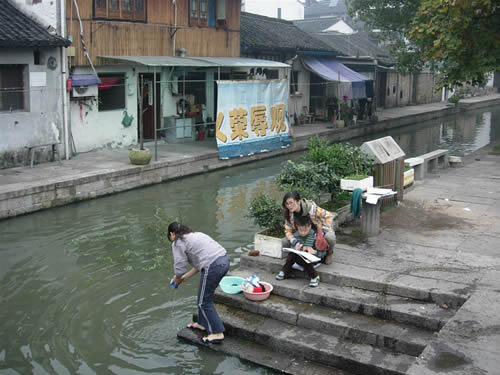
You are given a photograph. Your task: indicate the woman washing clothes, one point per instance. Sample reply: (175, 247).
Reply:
(206, 255)
(294, 206)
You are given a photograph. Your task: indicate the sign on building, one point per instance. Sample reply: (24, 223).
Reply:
(252, 117)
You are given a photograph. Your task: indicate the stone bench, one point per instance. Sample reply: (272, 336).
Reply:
(434, 159)
(54, 147)
(418, 167)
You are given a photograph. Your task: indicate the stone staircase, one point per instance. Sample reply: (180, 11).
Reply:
(347, 325)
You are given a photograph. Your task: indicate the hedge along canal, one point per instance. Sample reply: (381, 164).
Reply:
(84, 288)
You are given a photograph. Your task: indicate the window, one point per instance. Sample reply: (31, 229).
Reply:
(271, 73)
(207, 12)
(12, 87)
(111, 92)
(198, 12)
(294, 82)
(133, 10)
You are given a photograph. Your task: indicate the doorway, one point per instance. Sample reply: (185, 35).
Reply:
(148, 105)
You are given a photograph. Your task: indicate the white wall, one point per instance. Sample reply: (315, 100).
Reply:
(93, 129)
(296, 102)
(41, 121)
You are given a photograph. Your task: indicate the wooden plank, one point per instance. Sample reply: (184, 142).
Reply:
(150, 39)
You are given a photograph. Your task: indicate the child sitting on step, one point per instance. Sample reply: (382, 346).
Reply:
(305, 237)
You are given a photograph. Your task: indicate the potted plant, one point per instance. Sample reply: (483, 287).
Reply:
(355, 181)
(344, 113)
(140, 156)
(267, 213)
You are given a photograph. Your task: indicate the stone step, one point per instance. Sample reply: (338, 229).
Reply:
(311, 344)
(398, 337)
(260, 354)
(393, 283)
(420, 314)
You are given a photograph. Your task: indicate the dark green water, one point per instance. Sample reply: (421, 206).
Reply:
(84, 288)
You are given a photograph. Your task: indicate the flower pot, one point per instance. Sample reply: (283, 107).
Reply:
(140, 157)
(269, 246)
(339, 123)
(347, 184)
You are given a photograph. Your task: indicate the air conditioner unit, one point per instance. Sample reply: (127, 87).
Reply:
(83, 91)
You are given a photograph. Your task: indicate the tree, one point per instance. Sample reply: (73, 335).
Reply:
(392, 19)
(463, 36)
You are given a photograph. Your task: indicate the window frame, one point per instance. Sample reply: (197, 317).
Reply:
(294, 82)
(102, 10)
(196, 19)
(123, 89)
(20, 91)
(212, 10)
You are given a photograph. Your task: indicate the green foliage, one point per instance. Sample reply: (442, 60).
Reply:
(309, 179)
(356, 177)
(464, 36)
(392, 18)
(319, 172)
(344, 110)
(344, 158)
(266, 213)
(461, 36)
(322, 167)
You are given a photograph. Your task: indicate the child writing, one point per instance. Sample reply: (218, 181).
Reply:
(305, 237)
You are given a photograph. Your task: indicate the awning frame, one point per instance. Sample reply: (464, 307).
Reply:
(193, 61)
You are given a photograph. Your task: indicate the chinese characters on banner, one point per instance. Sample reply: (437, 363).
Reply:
(251, 117)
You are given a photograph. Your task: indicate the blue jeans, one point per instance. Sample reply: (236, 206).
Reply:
(209, 281)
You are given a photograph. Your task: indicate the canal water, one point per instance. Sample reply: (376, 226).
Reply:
(84, 289)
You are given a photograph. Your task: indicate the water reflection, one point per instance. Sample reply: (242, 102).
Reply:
(460, 134)
(79, 288)
(84, 288)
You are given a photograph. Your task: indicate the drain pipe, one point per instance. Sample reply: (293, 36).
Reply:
(64, 73)
(174, 2)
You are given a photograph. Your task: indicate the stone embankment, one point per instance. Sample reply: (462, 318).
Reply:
(354, 321)
(96, 174)
(419, 298)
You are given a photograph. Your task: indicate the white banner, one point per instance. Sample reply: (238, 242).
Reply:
(252, 117)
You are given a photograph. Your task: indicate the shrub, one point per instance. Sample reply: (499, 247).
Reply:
(267, 213)
(344, 158)
(309, 179)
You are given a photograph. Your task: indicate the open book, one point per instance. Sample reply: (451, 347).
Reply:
(308, 257)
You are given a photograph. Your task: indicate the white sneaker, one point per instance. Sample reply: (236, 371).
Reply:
(314, 282)
(280, 276)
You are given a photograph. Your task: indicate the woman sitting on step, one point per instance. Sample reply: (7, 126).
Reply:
(306, 237)
(293, 207)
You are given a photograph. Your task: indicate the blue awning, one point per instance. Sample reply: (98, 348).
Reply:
(84, 80)
(352, 84)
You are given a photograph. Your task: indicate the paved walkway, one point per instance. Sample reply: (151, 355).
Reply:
(449, 224)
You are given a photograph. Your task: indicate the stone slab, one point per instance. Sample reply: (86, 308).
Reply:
(397, 281)
(386, 334)
(318, 346)
(259, 354)
(404, 310)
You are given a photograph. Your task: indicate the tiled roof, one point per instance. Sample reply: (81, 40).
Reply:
(361, 43)
(19, 30)
(260, 32)
(324, 8)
